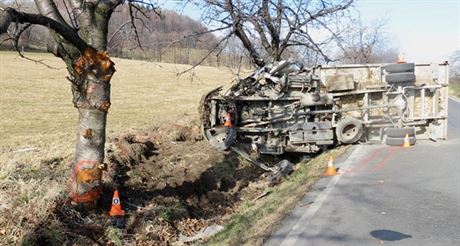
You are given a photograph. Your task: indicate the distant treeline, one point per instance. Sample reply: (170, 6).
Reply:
(166, 37)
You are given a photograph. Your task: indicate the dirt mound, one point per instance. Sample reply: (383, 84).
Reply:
(176, 182)
(171, 183)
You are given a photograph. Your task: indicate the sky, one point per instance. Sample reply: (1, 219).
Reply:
(422, 30)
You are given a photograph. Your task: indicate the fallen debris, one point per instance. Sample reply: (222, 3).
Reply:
(204, 233)
(264, 194)
(26, 150)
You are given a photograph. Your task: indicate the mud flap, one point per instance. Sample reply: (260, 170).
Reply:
(284, 168)
(281, 169)
(220, 138)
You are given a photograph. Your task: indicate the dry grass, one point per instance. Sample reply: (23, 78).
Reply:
(454, 90)
(37, 113)
(36, 101)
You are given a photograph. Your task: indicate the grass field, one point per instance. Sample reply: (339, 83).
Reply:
(38, 123)
(37, 112)
(36, 103)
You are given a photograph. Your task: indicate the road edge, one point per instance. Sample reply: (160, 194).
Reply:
(318, 199)
(455, 99)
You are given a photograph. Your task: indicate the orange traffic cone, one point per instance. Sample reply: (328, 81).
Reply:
(330, 170)
(406, 143)
(116, 209)
(228, 120)
(400, 58)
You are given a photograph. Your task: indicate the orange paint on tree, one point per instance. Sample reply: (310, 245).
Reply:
(94, 59)
(105, 105)
(87, 133)
(85, 180)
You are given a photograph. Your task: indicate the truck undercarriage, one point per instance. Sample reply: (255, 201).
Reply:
(284, 107)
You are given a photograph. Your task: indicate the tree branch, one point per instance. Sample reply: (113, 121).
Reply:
(267, 20)
(16, 46)
(326, 11)
(207, 55)
(131, 8)
(239, 32)
(48, 8)
(261, 32)
(9, 15)
(73, 20)
(118, 30)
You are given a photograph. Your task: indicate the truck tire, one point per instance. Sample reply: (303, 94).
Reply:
(399, 141)
(349, 130)
(400, 132)
(400, 78)
(400, 68)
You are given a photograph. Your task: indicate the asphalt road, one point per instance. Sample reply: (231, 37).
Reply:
(384, 195)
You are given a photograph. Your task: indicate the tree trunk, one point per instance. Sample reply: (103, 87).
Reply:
(89, 155)
(90, 71)
(91, 90)
(91, 74)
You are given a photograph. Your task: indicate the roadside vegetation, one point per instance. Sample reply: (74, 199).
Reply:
(257, 218)
(454, 82)
(454, 89)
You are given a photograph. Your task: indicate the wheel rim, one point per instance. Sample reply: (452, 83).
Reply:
(350, 131)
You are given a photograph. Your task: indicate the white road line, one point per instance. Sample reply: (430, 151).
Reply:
(298, 228)
(454, 99)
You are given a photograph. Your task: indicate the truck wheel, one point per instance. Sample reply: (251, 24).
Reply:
(349, 130)
(400, 68)
(400, 78)
(400, 132)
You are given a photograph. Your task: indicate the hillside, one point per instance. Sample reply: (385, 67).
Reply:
(163, 36)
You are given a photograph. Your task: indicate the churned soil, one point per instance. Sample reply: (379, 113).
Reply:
(172, 184)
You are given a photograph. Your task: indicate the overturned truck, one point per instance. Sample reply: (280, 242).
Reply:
(284, 107)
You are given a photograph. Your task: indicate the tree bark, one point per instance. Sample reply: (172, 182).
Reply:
(91, 90)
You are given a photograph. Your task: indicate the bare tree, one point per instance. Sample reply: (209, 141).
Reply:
(455, 67)
(81, 44)
(361, 43)
(267, 29)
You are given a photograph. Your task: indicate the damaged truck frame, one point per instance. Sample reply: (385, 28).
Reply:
(284, 107)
